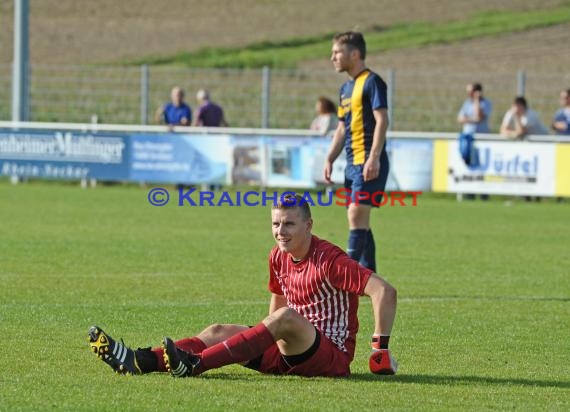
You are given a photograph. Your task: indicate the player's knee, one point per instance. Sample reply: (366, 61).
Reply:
(359, 216)
(215, 330)
(286, 318)
(353, 214)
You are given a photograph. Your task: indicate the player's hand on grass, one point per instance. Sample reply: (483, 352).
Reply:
(381, 361)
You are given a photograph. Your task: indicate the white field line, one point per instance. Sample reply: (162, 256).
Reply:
(363, 301)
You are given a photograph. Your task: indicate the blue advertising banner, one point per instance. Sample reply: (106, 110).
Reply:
(176, 158)
(276, 161)
(64, 155)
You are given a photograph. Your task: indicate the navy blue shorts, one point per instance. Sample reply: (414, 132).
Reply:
(354, 182)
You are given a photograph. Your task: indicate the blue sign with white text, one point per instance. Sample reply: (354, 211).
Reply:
(64, 155)
(176, 158)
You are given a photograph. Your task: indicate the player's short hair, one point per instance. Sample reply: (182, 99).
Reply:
(477, 87)
(293, 201)
(353, 40)
(520, 100)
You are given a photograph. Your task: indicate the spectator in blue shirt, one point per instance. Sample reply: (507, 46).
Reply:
(475, 112)
(474, 118)
(561, 122)
(177, 112)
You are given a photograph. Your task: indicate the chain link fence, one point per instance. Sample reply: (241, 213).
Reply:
(421, 100)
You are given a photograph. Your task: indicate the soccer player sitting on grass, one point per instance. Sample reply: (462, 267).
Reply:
(312, 323)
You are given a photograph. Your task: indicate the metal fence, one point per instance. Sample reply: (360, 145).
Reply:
(421, 100)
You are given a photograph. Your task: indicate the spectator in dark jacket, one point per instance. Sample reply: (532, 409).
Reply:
(209, 114)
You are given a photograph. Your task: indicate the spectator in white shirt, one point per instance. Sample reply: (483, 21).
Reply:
(521, 121)
(326, 119)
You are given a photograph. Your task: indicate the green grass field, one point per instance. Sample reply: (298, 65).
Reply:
(288, 53)
(483, 316)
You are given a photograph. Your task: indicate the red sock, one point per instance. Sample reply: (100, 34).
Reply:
(194, 345)
(241, 347)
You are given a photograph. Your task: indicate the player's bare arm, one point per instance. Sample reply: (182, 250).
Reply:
(372, 166)
(277, 302)
(335, 150)
(384, 299)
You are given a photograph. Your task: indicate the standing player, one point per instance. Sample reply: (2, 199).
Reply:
(312, 323)
(363, 121)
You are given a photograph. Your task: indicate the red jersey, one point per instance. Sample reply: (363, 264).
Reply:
(324, 288)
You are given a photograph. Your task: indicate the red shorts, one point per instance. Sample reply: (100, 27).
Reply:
(328, 360)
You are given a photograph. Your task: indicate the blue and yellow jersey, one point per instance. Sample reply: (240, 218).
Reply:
(358, 98)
